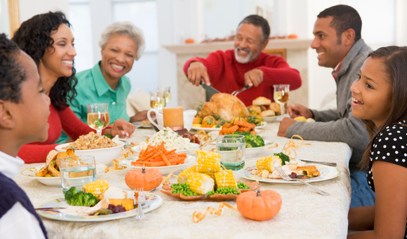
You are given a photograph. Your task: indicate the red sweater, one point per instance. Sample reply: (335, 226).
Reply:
(37, 152)
(227, 75)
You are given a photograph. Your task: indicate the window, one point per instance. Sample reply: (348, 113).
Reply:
(80, 18)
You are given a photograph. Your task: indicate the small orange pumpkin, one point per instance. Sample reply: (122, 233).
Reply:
(261, 205)
(148, 179)
(208, 122)
(197, 120)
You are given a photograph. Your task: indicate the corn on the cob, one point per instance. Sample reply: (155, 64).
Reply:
(183, 176)
(200, 183)
(225, 179)
(97, 188)
(208, 162)
(267, 163)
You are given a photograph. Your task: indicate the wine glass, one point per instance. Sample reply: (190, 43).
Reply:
(281, 96)
(157, 100)
(166, 90)
(167, 94)
(98, 116)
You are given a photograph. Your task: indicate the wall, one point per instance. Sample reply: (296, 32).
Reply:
(29, 8)
(4, 18)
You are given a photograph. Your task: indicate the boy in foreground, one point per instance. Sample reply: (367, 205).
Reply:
(24, 111)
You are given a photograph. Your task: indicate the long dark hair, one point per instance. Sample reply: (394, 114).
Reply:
(394, 59)
(34, 37)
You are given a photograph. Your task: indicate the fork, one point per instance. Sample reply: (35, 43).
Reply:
(234, 93)
(287, 178)
(140, 201)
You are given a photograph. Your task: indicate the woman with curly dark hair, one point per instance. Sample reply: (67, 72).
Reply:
(48, 39)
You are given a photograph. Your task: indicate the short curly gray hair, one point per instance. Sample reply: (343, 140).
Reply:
(126, 29)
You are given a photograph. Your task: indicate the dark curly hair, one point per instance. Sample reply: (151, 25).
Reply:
(12, 73)
(34, 37)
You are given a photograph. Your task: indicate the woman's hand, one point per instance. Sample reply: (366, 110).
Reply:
(122, 128)
(140, 116)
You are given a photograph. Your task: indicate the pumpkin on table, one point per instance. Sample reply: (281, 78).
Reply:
(148, 179)
(208, 122)
(261, 205)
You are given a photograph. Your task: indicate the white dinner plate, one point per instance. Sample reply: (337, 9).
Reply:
(52, 181)
(271, 118)
(194, 146)
(327, 173)
(262, 125)
(145, 126)
(189, 161)
(153, 202)
(251, 152)
(215, 134)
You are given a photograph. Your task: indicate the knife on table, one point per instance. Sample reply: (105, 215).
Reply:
(319, 162)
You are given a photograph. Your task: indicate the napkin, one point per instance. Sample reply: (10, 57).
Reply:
(137, 101)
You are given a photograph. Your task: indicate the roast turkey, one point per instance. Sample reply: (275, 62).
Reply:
(224, 106)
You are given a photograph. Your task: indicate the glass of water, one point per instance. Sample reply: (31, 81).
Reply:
(232, 149)
(77, 171)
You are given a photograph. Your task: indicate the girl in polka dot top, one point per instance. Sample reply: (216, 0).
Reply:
(379, 98)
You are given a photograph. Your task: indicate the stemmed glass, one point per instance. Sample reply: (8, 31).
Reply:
(157, 100)
(281, 96)
(98, 116)
(166, 92)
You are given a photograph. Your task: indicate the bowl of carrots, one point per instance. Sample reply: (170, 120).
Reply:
(159, 158)
(194, 146)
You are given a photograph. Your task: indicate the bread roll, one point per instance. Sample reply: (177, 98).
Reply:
(255, 108)
(261, 101)
(267, 113)
(275, 107)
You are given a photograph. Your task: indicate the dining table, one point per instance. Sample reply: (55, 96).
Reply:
(303, 214)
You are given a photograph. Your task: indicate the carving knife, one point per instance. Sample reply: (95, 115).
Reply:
(209, 89)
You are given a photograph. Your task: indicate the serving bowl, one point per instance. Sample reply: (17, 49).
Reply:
(194, 146)
(189, 161)
(103, 156)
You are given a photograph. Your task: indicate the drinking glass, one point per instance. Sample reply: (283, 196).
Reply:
(281, 95)
(77, 171)
(167, 94)
(157, 100)
(232, 149)
(166, 90)
(98, 116)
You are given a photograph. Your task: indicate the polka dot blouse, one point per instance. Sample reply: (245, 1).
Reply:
(390, 145)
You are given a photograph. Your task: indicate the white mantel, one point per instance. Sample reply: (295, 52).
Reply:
(189, 95)
(289, 44)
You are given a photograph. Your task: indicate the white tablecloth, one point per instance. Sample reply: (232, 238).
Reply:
(304, 214)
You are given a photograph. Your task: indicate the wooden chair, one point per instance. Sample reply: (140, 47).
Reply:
(279, 52)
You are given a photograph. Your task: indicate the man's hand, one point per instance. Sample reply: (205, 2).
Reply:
(122, 128)
(196, 72)
(284, 125)
(139, 116)
(297, 110)
(253, 77)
